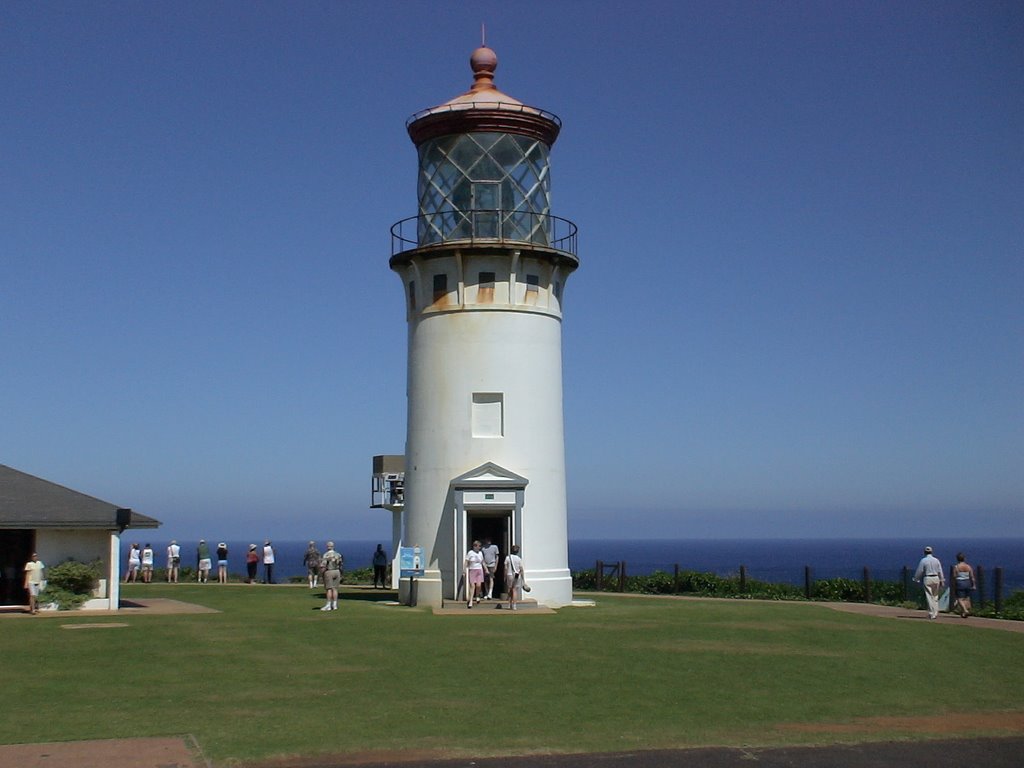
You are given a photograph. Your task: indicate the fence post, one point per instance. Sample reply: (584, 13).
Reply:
(807, 582)
(905, 581)
(743, 579)
(675, 580)
(951, 586)
(622, 576)
(599, 574)
(979, 574)
(997, 589)
(867, 585)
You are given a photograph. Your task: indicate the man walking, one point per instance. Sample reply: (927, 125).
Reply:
(490, 553)
(34, 571)
(929, 573)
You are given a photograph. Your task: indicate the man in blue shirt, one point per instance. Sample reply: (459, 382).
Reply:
(929, 573)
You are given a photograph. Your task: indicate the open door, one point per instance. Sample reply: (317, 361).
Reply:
(15, 550)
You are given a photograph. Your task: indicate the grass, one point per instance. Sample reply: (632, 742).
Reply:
(271, 676)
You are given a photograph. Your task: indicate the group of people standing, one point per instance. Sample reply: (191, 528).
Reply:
(481, 567)
(930, 575)
(141, 560)
(330, 566)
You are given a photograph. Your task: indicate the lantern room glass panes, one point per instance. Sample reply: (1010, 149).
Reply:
(484, 186)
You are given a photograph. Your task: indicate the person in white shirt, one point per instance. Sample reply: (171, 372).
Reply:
(490, 553)
(474, 565)
(147, 564)
(515, 576)
(134, 563)
(173, 562)
(34, 572)
(929, 574)
(268, 563)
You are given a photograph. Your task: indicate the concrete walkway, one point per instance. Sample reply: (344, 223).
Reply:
(169, 752)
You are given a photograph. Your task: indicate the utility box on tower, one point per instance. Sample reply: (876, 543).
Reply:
(484, 266)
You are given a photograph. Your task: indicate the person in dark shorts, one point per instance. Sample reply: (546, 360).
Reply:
(964, 582)
(380, 566)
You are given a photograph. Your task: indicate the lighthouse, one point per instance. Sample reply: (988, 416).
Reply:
(484, 265)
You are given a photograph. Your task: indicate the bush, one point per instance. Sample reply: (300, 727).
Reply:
(712, 585)
(70, 584)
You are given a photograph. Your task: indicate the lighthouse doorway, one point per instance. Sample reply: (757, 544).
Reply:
(495, 525)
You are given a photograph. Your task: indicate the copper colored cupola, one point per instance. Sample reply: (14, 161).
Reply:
(483, 108)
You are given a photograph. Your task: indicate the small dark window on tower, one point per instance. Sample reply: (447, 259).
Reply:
(440, 286)
(412, 295)
(485, 288)
(532, 283)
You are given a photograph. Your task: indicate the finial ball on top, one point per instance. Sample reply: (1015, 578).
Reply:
(483, 59)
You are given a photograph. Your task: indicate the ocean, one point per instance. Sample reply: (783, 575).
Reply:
(773, 560)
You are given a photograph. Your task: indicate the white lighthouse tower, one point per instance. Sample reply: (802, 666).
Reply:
(484, 266)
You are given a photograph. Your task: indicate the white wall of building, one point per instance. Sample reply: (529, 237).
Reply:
(55, 546)
(485, 385)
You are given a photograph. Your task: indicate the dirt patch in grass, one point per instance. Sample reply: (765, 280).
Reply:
(950, 724)
(382, 756)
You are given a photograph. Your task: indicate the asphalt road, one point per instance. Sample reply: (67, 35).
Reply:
(957, 753)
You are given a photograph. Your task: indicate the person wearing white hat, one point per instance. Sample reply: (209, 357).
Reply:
(929, 574)
(222, 563)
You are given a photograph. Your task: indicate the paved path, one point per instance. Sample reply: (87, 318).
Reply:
(170, 752)
(181, 752)
(990, 753)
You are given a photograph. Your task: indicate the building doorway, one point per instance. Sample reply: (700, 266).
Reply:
(15, 550)
(495, 525)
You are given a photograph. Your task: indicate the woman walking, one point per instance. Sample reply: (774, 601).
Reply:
(963, 573)
(474, 566)
(515, 576)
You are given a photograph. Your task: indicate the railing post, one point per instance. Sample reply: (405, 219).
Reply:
(867, 585)
(997, 589)
(979, 574)
(622, 576)
(675, 579)
(807, 582)
(743, 579)
(599, 575)
(951, 586)
(905, 581)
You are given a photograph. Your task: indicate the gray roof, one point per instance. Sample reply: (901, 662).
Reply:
(27, 501)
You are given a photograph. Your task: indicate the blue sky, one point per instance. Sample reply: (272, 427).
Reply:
(799, 310)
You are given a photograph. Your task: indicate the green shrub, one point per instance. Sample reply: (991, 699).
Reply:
(1014, 602)
(712, 585)
(77, 578)
(70, 584)
(839, 589)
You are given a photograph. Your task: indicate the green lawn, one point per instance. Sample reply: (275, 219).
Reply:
(271, 675)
